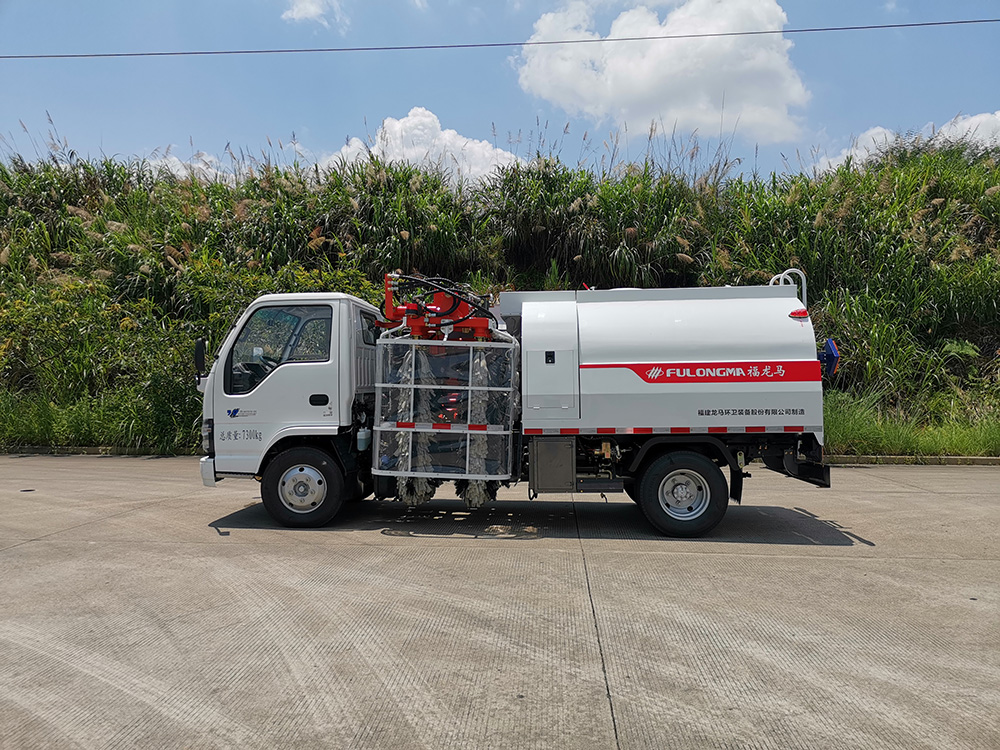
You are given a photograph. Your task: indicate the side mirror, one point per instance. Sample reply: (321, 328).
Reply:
(199, 356)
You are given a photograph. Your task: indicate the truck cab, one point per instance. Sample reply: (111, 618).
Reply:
(296, 373)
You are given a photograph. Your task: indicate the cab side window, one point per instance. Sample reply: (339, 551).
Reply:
(313, 342)
(368, 325)
(273, 337)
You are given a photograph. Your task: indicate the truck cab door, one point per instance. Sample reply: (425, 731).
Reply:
(281, 371)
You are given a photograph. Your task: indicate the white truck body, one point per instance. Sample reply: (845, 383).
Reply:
(654, 392)
(715, 360)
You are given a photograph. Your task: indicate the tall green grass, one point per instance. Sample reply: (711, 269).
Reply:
(109, 269)
(857, 426)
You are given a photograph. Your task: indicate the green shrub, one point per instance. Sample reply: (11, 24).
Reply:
(110, 269)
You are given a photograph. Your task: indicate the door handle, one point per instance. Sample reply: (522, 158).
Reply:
(319, 399)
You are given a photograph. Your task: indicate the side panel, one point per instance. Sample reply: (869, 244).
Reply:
(551, 365)
(703, 366)
(357, 353)
(552, 465)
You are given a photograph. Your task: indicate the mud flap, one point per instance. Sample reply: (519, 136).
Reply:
(807, 471)
(736, 475)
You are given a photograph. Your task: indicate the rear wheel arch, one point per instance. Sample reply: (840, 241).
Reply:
(654, 448)
(711, 448)
(683, 493)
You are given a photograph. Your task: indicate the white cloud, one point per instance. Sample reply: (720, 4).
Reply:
(419, 138)
(984, 129)
(747, 83)
(981, 129)
(866, 145)
(202, 167)
(317, 10)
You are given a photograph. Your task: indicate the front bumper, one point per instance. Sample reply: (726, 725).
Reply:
(208, 471)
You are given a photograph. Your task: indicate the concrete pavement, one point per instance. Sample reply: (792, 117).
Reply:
(139, 609)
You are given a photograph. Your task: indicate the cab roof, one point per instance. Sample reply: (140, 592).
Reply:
(300, 297)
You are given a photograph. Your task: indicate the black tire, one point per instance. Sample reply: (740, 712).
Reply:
(699, 498)
(302, 488)
(629, 486)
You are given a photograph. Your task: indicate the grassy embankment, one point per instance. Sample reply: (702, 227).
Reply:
(109, 270)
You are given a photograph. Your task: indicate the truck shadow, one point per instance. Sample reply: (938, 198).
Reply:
(507, 520)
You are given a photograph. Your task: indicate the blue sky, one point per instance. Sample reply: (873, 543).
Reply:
(787, 100)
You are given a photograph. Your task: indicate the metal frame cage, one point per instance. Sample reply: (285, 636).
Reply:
(445, 409)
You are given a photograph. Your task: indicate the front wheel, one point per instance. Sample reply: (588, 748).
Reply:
(302, 487)
(683, 494)
(630, 488)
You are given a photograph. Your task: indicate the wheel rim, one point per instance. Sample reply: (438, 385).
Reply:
(302, 489)
(684, 494)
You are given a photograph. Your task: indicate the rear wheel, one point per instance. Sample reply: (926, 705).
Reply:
(683, 494)
(302, 487)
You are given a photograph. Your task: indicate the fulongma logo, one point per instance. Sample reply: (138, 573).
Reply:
(765, 371)
(241, 413)
(803, 371)
(232, 412)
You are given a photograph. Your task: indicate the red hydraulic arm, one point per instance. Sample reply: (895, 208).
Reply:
(428, 306)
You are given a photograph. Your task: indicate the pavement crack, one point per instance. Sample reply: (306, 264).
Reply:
(88, 523)
(597, 628)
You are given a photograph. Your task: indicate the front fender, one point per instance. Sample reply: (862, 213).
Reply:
(298, 436)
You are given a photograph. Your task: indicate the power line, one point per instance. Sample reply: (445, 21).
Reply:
(496, 45)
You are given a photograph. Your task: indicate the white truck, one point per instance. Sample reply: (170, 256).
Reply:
(657, 393)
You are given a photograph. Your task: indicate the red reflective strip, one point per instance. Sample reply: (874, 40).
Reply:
(569, 431)
(442, 426)
(717, 429)
(796, 371)
(756, 429)
(643, 431)
(606, 431)
(680, 430)
(532, 432)
(406, 425)
(478, 427)
(795, 429)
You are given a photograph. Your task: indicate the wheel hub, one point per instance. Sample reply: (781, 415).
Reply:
(302, 488)
(684, 494)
